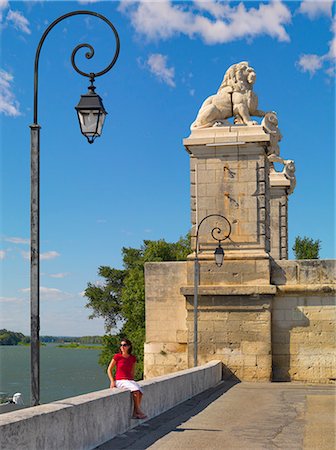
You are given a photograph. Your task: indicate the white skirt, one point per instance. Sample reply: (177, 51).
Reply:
(130, 385)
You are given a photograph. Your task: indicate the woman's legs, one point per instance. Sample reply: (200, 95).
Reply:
(137, 397)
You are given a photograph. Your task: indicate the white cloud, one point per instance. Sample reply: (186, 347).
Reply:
(165, 19)
(157, 64)
(8, 104)
(85, 2)
(59, 275)
(4, 4)
(316, 8)
(18, 21)
(312, 62)
(43, 256)
(49, 255)
(2, 254)
(216, 9)
(17, 240)
(50, 293)
(10, 300)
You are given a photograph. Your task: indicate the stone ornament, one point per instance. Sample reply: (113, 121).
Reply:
(288, 170)
(270, 126)
(234, 98)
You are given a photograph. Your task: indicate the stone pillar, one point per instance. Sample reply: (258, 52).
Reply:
(279, 186)
(230, 176)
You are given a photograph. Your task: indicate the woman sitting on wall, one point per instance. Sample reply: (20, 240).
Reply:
(124, 377)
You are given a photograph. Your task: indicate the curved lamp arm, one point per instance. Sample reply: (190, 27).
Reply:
(88, 55)
(217, 229)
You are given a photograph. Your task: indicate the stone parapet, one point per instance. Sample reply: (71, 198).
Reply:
(303, 272)
(87, 421)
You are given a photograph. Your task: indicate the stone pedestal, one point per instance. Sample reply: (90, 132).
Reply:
(229, 173)
(229, 169)
(279, 187)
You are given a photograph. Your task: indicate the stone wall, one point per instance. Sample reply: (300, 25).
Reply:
(264, 317)
(166, 328)
(303, 321)
(284, 330)
(236, 330)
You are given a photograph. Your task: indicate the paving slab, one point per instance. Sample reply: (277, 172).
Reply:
(245, 416)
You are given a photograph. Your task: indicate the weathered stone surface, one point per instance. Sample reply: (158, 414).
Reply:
(288, 329)
(303, 338)
(259, 313)
(166, 330)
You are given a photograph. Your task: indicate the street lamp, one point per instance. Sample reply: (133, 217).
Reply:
(91, 114)
(219, 258)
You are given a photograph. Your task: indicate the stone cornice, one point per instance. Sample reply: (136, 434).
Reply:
(311, 289)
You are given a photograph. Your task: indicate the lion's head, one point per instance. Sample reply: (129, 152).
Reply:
(289, 168)
(240, 76)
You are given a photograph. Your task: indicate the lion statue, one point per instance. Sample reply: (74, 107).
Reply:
(288, 169)
(235, 98)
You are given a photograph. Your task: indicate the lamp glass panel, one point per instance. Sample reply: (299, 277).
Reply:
(219, 256)
(89, 121)
(101, 122)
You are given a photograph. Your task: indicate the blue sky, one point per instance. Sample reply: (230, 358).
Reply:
(133, 182)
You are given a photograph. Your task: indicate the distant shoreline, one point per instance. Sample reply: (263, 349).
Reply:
(8, 337)
(81, 346)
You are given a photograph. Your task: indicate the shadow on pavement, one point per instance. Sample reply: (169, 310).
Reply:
(149, 432)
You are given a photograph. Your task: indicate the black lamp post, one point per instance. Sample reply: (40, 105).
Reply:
(91, 115)
(219, 258)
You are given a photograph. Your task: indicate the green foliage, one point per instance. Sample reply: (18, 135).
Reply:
(64, 339)
(120, 299)
(306, 248)
(11, 337)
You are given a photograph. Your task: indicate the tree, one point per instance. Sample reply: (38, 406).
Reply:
(120, 298)
(11, 337)
(306, 248)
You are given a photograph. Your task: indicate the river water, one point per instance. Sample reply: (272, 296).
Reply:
(64, 372)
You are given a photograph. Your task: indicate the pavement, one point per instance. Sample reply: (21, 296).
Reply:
(245, 416)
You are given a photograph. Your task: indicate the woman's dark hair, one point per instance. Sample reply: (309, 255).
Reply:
(129, 343)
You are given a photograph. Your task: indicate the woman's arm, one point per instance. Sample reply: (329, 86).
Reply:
(109, 372)
(133, 370)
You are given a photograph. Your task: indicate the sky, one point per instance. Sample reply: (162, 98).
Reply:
(133, 182)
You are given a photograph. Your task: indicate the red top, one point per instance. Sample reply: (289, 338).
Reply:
(124, 366)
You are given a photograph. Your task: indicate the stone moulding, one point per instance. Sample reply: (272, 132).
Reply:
(230, 290)
(307, 288)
